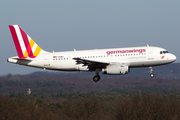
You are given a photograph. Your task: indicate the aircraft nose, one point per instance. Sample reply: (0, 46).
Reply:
(173, 57)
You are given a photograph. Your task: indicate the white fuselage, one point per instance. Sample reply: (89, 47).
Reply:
(133, 57)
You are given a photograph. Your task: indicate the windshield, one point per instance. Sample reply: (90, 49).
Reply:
(163, 52)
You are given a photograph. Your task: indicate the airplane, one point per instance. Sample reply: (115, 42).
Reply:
(115, 61)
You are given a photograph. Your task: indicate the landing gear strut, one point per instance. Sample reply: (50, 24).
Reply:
(151, 72)
(96, 78)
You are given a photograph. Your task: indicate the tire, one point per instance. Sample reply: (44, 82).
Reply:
(96, 78)
(151, 75)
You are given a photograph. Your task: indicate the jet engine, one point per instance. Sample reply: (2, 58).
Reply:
(82, 68)
(116, 69)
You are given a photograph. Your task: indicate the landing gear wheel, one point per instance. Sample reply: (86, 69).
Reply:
(151, 75)
(96, 78)
(151, 72)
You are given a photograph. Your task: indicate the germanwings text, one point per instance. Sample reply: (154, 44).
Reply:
(126, 51)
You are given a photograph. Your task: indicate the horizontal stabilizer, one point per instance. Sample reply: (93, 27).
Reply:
(18, 60)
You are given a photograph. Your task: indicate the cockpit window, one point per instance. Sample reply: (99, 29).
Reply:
(163, 52)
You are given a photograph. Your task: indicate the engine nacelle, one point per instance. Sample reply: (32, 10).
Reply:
(82, 68)
(116, 69)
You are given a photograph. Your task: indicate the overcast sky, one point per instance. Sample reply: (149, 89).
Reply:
(62, 25)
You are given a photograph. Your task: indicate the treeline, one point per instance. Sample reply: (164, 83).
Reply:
(47, 82)
(111, 94)
(138, 106)
(46, 85)
(10, 86)
(36, 83)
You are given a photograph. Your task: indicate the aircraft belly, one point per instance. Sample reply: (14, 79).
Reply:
(36, 64)
(63, 65)
(145, 63)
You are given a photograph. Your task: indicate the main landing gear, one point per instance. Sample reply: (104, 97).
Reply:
(151, 72)
(96, 78)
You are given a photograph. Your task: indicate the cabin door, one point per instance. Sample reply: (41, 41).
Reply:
(150, 54)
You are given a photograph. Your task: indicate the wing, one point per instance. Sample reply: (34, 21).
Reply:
(91, 63)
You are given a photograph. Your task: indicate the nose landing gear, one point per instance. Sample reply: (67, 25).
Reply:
(151, 72)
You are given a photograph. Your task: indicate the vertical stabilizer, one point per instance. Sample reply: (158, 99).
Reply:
(25, 46)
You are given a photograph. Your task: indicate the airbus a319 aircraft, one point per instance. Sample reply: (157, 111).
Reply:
(116, 61)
